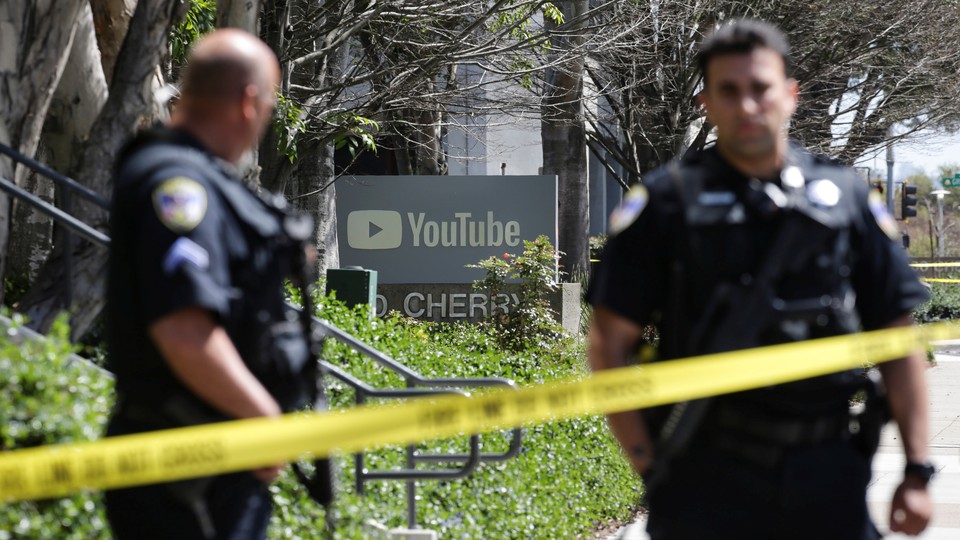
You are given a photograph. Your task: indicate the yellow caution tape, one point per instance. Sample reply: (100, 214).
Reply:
(247, 444)
(935, 265)
(940, 280)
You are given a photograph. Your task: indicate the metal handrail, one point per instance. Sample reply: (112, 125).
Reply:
(417, 384)
(416, 379)
(471, 460)
(60, 179)
(58, 215)
(63, 217)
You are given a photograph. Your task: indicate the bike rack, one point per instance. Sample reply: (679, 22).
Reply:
(416, 384)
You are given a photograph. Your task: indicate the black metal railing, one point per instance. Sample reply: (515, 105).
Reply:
(416, 384)
(62, 216)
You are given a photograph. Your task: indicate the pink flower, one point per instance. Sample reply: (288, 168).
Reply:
(506, 255)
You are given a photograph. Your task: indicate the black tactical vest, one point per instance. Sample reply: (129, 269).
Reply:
(762, 263)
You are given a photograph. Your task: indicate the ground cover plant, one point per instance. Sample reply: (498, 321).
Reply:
(568, 478)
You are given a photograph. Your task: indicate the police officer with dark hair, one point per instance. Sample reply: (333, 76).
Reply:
(198, 330)
(756, 242)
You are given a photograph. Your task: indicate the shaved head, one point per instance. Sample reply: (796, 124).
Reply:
(228, 92)
(224, 62)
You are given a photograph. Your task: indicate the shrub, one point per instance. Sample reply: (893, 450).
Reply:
(531, 323)
(48, 398)
(944, 304)
(596, 245)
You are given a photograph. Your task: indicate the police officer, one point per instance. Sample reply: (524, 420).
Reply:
(756, 242)
(197, 327)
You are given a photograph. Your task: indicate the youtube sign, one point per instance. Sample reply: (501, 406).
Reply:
(431, 229)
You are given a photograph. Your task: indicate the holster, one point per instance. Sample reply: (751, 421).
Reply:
(867, 421)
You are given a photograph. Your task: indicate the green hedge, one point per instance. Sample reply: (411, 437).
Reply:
(944, 304)
(46, 398)
(568, 478)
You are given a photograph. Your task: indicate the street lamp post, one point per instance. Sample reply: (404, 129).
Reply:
(940, 193)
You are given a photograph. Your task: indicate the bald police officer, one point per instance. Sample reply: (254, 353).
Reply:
(197, 327)
(756, 242)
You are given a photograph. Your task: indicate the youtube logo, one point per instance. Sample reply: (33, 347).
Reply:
(374, 229)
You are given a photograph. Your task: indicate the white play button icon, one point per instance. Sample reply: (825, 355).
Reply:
(374, 229)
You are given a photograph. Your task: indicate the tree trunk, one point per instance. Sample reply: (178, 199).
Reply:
(238, 14)
(111, 19)
(427, 147)
(242, 14)
(564, 141)
(131, 105)
(313, 191)
(311, 179)
(30, 234)
(79, 97)
(275, 168)
(401, 146)
(80, 94)
(36, 39)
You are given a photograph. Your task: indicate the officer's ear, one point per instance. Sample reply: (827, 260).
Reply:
(249, 101)
(793, 90)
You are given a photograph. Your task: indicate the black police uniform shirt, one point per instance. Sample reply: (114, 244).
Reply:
(178, 242)
(636, 276)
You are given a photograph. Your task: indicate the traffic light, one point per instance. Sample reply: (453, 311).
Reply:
(908, 201)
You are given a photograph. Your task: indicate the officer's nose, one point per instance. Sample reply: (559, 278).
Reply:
(749, 104)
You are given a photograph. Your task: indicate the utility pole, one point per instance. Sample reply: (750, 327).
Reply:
(940, 193)
(890, 175)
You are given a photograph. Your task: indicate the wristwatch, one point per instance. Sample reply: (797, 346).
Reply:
(924, 471)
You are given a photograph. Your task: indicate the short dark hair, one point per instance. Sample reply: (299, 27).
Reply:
(743, 36)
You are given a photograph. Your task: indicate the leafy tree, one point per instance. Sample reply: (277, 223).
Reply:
(862, 69)
(354, 74)
(400, 77)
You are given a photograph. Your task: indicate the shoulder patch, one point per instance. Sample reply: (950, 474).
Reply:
(629, 210)
(180, 203)
(879, 210)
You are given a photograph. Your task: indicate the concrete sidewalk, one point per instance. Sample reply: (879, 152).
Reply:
(944, 387)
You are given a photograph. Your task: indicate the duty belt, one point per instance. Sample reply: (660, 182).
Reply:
(764, 441)
(784, 432)
(175, 411)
